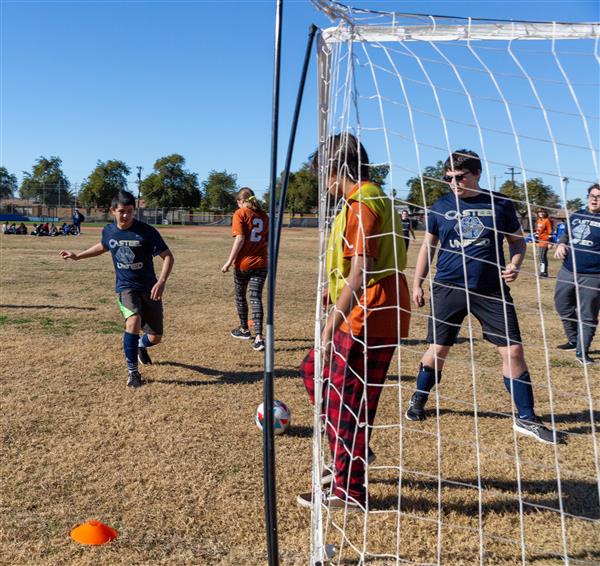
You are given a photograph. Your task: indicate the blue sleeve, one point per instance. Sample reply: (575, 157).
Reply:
(104, 238)
(511, 221)
(158, 244)
(432, 222)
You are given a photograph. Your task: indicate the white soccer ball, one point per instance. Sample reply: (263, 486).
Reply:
(282, 417)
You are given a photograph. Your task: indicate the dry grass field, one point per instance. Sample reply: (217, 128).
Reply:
(176, 466)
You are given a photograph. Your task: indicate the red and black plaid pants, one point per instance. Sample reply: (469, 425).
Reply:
(352, 385)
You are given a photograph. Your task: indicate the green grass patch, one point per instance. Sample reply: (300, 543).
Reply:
(109, 327)
(564, 364)
(47, 322)
(3, 319)
(20, 320)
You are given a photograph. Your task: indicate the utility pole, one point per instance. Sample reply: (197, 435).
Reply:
(139, 184)
(511, 172)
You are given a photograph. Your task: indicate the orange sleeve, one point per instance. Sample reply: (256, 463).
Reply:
(237, 224)
(362, 231)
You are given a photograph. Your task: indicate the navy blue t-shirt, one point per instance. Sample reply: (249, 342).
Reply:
(482, 254)
(132, 251)
(585, 239)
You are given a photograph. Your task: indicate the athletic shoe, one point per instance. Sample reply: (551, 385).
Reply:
(416, 407)
(134, 379)
(534, 427)
(330, 501)
(144, 356)
(259, 345)
(567, 346)
(241, 334)
(327, 476)
(585, 360)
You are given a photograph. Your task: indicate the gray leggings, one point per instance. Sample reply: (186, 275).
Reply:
(255, 280)
(565, 302)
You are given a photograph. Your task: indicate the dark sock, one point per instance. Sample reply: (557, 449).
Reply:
(426, 379)
(522, 394)
(144, 342)
(130, 346)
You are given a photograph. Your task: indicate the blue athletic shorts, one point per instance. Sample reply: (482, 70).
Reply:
(495, 313)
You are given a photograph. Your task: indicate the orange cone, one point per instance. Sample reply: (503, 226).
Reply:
(93, 532)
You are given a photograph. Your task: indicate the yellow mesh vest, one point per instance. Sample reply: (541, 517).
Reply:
(390, 258)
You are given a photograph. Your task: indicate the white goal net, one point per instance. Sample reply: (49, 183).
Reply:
(463, 486)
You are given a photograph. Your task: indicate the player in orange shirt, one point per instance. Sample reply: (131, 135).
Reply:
(370, 312)
(543, 231)
(250, 228)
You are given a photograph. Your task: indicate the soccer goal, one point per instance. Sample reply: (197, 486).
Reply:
(463, 486)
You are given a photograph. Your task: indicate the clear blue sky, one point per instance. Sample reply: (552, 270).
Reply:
(137, 80)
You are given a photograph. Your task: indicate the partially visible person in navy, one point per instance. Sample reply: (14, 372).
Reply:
(470, 225)
(133, 245)
(579, 248)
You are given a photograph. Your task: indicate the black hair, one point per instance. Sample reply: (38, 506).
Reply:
(347, 157)
(594, 186)
(124, 198)
(463, 159)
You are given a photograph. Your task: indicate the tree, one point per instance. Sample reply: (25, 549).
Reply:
(540, 195)
(46, 183)
(170, 185)
(303, 190)
(8, 183)
(378, 173)
(105, 181)
(219, 191)
(432, 187)
(575, 204)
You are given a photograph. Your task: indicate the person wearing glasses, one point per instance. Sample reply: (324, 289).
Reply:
(470, 225)
(579, 248)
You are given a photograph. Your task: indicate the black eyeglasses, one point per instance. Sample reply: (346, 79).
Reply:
(457, 178)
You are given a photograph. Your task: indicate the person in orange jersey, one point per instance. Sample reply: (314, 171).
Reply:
(370, 313)
(250, 228)
(543, 231)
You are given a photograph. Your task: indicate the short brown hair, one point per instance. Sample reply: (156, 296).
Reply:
(463, 159)
(347, 157)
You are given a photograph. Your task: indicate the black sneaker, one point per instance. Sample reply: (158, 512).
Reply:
(241, 334)
(567, 346)
(585, 360)
(535, 428)
(259, 345)
(416, 407)
(144, 356)
(134, 380)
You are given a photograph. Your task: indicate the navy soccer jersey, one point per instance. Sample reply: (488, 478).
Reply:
(483, 248)
(585, 239)
(132, 251)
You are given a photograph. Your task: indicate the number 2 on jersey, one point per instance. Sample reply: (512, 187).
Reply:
(257, 229)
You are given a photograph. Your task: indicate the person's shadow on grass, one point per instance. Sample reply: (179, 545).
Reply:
(223, 377)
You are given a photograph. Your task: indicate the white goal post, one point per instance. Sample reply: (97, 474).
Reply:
(463, 487)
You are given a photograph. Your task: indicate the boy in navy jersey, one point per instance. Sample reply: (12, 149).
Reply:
(579, 248)
(470, 225)
(133, 244)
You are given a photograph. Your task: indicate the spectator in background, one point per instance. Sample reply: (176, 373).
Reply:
(53, 230)
(561, 229)
(4, 228)
(78, 218)
(543, 231)
(407, 228)
(22, 229)
(577, 293)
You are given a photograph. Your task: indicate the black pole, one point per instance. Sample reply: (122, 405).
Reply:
(288, 160)
(268, 437)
